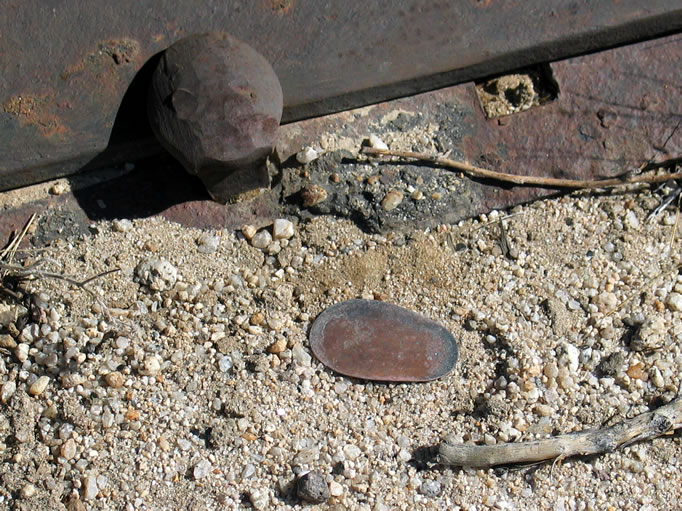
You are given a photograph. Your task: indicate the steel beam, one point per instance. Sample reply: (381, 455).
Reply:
(73, 75)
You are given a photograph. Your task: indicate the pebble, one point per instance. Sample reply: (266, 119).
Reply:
(68, 449)
(307, 155)
(312, 195)
(21, 352)
(152, 366)
(7, 341)
(282, 229)
(57, 189)
(28, 491)
(431, 488)
(261, 239)
(259, 499)
(39, 386)
(7, 391)
(225, 364)
(278, 346)
(90, 489)
(674, 301)
(392, 200)
(123, 225)
(114, 379)
(301, 356)
(208, 243)
(249, 231)
(312, 487)
(202, 469)
(376, 143)
(335, 489)
(156, 274)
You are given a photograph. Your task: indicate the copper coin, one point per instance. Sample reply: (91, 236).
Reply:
(379, 341)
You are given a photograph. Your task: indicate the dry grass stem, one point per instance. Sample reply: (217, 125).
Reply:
(548, 182)
(646, 426)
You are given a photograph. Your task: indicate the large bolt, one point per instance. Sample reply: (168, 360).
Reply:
(215, 104)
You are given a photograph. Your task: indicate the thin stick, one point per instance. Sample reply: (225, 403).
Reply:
(11, 249)
(549, 182)
(646, 426)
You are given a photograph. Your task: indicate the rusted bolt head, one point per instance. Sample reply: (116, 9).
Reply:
(215, 104)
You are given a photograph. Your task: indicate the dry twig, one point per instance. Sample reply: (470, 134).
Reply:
(548, 182)
(646, 426)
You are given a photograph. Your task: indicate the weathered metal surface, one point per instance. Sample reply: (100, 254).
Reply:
(627, 99)
(380, 341)
(72, 79)
(616, 110)
(215, 104)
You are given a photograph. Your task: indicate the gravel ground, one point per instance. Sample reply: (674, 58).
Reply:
(185, 380)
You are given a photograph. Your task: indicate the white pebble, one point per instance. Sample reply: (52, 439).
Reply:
(573, 356)
(259, 499)
(123, 225)
(21, 352)
(68, 449)
(301, 356)
(282, 229)
(202, 469)
(307, 155)
(152, 366)
(674, 301)
(335, 489)
(90, 489)
(261, 240)
(631, 220)
(376, 143)
(28, 491)
(208, 243)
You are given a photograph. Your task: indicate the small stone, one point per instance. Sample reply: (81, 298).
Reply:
(307, 155)
(156, 274)
(261, 240)
(68, 449)
(202, 469)
(152, 366)
(75, 503)
(208, 243)
(57, 189)
(631, 220)
(278, 346)
(282, 229)
(572, 356)
(312, 487)
(90, 489)
(21, 352)
(650, 335)
(301, 356)
(312, 195)
(392, 200)
(417, 195)
(376, 143)
(225, 364)
(8, 390)
(335, 489)
(114, 379)
(636, 371)
(7, 341)
(39, 386)
(352, 452)
(674, 301)
(259, 499)
(249, 231)
(28, 491)
(431, 488)
(123, 225)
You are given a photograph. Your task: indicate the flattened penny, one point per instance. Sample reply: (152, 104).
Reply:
(379, 341)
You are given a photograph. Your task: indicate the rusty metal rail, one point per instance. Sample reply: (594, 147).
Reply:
(73, 74)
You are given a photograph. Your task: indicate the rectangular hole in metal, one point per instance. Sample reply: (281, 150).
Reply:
(517, 91)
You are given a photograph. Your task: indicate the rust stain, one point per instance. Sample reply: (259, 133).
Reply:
(103, 61)
(38, 111)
